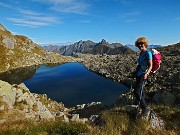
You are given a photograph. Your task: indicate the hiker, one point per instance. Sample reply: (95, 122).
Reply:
(142, 72)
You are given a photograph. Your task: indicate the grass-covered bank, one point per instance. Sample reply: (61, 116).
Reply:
(33, 128)
(116, 121)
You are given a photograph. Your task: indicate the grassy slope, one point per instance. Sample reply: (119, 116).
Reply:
(18, 55)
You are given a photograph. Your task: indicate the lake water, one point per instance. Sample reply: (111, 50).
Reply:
(69, 83)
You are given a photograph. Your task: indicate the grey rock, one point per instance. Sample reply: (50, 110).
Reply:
(93, 118)
(155, 121)
(9, 42)
(66, 119)
(75, 117)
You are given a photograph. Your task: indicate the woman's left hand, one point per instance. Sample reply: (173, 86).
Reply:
(145, 76)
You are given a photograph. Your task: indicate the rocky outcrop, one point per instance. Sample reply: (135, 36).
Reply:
(19, 51)
(19, 98)
(17, 102)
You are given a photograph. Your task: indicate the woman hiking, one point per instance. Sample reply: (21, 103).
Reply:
(142, 72)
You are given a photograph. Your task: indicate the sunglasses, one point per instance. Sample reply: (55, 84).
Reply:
(140, 43)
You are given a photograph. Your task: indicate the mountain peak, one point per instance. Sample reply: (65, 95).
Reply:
(103, 41)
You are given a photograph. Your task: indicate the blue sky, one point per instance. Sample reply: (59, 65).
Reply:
(61, 21)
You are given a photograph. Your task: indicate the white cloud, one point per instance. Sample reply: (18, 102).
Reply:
(34, 21)
(25, 22)
(5, 5)
(30, 18)
(28, 12)
(67, 6)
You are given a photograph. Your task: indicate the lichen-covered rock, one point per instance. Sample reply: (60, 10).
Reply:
(8, 42)
(7, 95)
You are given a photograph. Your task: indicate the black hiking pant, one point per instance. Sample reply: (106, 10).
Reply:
(139, 91)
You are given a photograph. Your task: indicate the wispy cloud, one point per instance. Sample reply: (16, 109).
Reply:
(85, 21)
(177, 18)
(5, 5)
(67, 6)
(30, 18)
(129, 17)
(27, 22)
(34, 20)
(28, 12)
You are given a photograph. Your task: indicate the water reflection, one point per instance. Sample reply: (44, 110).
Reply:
(17, 76)
(69, 83)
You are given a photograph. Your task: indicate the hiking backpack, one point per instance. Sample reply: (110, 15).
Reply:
(156, 60)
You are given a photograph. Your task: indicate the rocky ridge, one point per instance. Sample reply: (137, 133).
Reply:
(81, 46)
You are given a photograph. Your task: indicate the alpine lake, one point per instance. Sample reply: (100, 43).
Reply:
(69, 83)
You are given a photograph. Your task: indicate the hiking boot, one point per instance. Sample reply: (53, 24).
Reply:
(146, 113)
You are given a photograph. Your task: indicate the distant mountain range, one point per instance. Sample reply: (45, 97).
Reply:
(56, 44)
(91, 47)
(134, 48)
